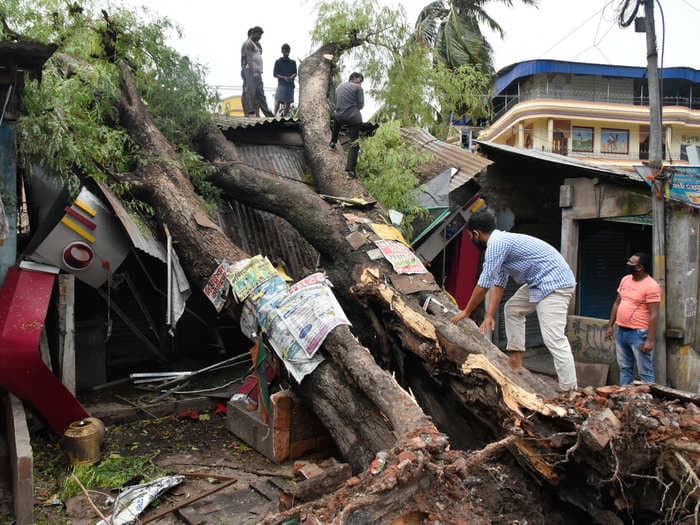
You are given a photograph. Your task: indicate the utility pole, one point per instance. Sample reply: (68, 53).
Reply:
(658, 189)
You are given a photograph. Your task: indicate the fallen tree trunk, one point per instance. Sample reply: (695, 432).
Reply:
(364, 408)
(560, 442)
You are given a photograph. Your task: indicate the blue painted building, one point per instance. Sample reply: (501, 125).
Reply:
(19, 62)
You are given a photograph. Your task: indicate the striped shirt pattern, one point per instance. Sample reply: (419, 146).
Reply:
(527, 260)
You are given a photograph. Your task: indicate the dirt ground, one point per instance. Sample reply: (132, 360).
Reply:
(211, 458)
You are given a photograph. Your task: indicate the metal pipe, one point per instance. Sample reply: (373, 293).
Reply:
(7, 101)
(169, 264)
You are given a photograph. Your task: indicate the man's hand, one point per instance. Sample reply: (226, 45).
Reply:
(457, 318)
(488, 324)
(648, 346)
(610, 334)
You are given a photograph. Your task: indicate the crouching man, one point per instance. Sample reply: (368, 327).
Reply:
(548, 285)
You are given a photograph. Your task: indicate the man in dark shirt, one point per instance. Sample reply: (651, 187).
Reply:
(285, 72)
(349, 100)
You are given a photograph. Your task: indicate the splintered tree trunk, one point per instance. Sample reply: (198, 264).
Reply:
(595, 445)
(363, 407)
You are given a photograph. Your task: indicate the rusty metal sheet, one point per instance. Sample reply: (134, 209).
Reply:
(468, 164)
(356, 239)
(424, 282)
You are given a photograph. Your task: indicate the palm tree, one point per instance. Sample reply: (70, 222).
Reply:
(451, 27)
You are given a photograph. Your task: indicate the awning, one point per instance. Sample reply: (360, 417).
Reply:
(467, 164)
(563, 160)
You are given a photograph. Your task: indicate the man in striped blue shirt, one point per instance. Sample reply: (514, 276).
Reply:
(547, 287)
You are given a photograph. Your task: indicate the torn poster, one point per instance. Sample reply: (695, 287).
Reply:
(388, 232)
(314, 278)
(401, 257)
(246, 278)
(217, 287)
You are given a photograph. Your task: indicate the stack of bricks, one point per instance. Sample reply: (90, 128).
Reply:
(291, 431)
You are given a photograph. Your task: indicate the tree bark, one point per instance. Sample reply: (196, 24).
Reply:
(567, 442)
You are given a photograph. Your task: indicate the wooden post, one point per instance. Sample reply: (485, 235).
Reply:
(658, 189)
(66, 329)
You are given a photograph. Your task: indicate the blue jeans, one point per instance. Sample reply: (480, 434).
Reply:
(629, 349)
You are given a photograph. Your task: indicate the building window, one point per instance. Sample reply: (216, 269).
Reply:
(616, 141)
(560, 138)
(582, 139)
(643, 142)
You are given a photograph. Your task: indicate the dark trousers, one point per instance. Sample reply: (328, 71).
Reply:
(254, 96)
(354, 133)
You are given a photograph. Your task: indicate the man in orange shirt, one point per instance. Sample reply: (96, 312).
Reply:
(636, 314)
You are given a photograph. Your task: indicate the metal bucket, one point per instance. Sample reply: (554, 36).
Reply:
(82, 441)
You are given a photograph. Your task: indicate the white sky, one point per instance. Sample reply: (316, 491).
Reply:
(576, 30)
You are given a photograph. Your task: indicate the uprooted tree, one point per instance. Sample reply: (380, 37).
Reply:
(612, 453)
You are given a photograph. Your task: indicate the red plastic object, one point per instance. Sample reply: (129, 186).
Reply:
(24, 300)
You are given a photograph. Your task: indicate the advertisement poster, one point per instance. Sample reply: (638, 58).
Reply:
(217, 287)
(246, 279)
(401, 257)
(314, 278)
(684, 183)
(309, 314)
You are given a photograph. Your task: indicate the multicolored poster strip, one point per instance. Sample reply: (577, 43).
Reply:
(401, 257)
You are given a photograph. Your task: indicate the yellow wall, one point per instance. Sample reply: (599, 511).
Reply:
(540, 140)
(232, 106)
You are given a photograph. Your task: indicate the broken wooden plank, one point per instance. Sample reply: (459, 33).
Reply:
(66, 329)
(325, 482)
(189, 501)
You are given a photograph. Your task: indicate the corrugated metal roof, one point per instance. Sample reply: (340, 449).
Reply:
(283, 161)
(467, 164)
(547, 156)
(260, 232)
(148, 243)
(225, 122)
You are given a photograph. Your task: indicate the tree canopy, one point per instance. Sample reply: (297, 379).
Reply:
(69, 122)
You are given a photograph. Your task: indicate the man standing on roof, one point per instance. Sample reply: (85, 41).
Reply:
(285, 72)
(547, 285)
(636, 314)
(244, 62)
(349, 100)
(254, 92)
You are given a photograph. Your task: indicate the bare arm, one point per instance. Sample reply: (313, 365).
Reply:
(475, 300)
(653, 323)
(613, 316)
(494, 301)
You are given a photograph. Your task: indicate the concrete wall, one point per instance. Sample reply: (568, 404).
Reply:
(591, 199)
(589, 343)
(683, 359)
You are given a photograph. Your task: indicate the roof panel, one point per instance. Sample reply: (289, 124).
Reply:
(468, 164)
(547, 156)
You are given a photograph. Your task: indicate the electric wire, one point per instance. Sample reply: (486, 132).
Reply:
(573, 31)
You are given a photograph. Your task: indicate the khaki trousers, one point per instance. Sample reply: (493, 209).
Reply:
(552, 312)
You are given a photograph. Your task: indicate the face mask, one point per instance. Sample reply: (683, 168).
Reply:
(631, 268)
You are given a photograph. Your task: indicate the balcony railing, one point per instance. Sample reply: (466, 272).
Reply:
(502, 103)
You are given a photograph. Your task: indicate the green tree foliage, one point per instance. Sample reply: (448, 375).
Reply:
(70, 122)
(388, 166)
(404, 75)
(451, 28)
